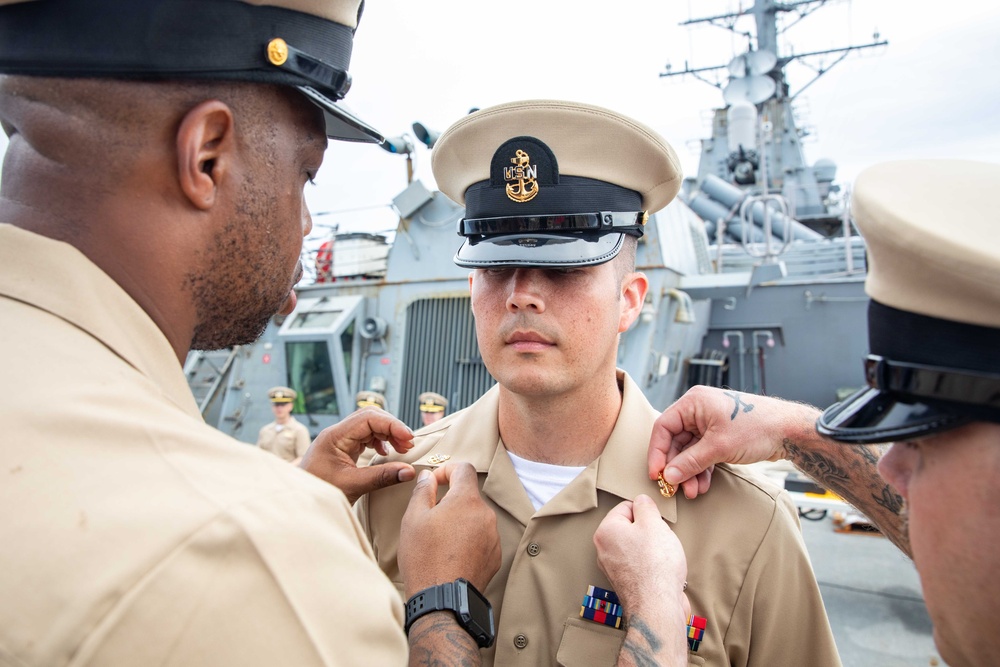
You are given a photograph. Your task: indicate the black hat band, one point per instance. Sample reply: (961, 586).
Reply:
(174, 39)
(573, 194)
(902, 335)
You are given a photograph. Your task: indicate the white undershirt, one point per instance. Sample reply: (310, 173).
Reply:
(543, 481)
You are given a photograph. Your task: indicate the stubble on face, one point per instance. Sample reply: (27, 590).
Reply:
(244, 282)
(246, 274)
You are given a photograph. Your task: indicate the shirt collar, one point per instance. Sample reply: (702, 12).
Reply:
(77, 291)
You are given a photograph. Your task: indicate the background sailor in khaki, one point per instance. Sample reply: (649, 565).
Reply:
(556, 195)
(369, 399)
(285, 437)
(152, 203)
(432, 407)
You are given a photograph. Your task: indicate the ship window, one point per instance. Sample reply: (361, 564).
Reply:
(315, 319)
(310, 373)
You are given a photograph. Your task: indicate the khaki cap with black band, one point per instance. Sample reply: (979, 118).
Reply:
(548, 183)
(305, 44)
(934, 318)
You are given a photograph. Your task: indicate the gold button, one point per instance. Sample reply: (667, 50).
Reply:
(277, 51)
(533, 549)
(520, 641)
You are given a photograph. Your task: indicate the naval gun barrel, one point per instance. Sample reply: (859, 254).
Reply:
(729, 196)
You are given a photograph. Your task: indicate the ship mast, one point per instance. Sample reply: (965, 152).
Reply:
(755, 142)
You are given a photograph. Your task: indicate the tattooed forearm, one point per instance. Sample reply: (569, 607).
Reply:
(817, 466)
(644, 647)
(437, 641)
(889, 499)
(851, 472)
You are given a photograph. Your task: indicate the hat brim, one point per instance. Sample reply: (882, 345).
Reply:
(539, 250)
(282, 401)
(874, 416)
(341, 124)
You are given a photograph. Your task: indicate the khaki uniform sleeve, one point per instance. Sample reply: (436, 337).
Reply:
(278, 582)
(781, 601)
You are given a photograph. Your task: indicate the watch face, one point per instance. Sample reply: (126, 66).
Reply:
(481, 616)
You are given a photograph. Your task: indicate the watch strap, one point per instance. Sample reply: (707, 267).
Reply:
(436, 598)
(456, 597)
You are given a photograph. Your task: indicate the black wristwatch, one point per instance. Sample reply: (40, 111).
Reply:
(473, 611)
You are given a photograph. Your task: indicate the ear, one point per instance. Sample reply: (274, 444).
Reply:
(634, 288)
(205, 145)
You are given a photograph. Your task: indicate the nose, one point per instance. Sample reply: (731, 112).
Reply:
(524, 291)
(896, 465)
(307, 221)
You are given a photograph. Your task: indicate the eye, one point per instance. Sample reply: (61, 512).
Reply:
(311, 177)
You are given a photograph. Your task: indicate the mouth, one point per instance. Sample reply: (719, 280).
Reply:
(289, 305)
(528, 341)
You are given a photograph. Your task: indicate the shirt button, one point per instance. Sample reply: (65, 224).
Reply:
(533, 549)
(520, 641)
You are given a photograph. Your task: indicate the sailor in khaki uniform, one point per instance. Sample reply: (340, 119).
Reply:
(432, 407)
(285, 437)
(932, 389)
(153, 204)
(556, 196)
(369, 399)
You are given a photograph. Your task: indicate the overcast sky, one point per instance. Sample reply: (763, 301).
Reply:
(934, 91)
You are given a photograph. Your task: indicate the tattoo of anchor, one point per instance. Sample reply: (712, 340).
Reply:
(747, 407)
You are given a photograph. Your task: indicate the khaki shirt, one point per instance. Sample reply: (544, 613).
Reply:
(290, 443)
(131, 533)
(748, 570)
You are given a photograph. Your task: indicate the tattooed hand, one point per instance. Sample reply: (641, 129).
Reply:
(645, 563)
(709, 425)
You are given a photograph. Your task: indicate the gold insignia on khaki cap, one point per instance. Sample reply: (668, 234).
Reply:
(588, 141)
(365, 399)
(550, 183)
(934, 316)
(931, 228)
(281, 394)
(305, 44)
(432, 402)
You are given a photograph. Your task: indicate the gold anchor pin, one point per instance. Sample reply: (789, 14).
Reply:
(438, 459)
(667, 489)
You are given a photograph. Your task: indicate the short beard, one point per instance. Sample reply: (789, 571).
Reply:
(234, 295)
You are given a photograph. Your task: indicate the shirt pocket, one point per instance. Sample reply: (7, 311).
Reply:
(586, 643)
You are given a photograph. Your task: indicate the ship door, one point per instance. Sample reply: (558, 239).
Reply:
(321, 354)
